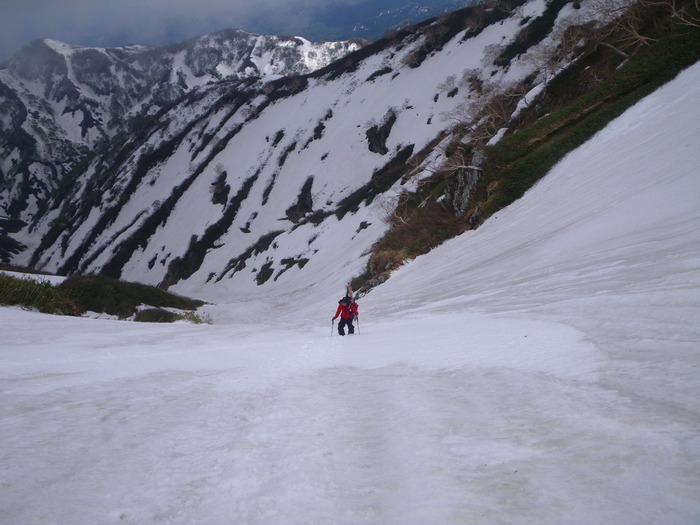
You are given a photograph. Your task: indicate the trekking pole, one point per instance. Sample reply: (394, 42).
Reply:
(332, 326)
(358, 325)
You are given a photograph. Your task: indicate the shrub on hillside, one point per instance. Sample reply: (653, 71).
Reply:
(98, 293)
(155, 315)
(36, 296)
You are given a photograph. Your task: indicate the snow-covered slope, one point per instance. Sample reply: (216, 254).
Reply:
(239, 185)
(542, 369)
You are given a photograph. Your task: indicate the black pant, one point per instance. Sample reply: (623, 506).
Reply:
(343, 323)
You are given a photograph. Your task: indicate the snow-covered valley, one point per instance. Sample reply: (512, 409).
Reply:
(541, 369)
(239, 183)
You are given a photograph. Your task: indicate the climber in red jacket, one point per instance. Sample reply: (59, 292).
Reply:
(347, 310)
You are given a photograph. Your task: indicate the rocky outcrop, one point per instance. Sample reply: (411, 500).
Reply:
(378, 135)
(460, 184)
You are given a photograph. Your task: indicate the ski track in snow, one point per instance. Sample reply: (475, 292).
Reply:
(552, 378)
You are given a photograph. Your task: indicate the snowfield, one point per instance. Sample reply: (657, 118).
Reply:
(542, 369)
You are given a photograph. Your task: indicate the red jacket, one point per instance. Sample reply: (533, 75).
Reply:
(346, 312)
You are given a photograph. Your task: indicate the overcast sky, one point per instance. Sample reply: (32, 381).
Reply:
(120, 22)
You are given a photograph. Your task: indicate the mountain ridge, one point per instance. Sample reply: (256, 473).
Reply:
(60, 101)
(210, 121)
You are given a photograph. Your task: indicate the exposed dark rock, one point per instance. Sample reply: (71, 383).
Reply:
(220, 190)
(378, 135)
(239, 263)
(304, 203)
(460, 184)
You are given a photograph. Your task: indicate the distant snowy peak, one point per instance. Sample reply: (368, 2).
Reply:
(235, 54)
(84, 93)
(50, 66)
(228, 54)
